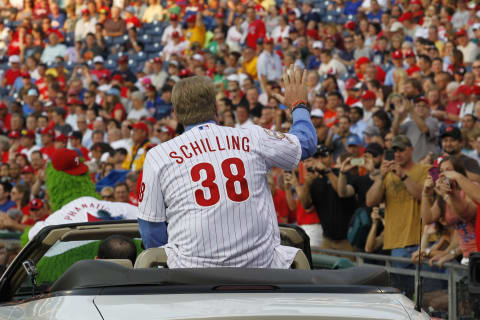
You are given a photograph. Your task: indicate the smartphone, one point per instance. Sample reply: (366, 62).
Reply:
(389, 155)
(381, 212)
(434, 173)
(357, 162)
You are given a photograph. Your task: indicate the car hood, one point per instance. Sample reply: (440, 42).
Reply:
(257, 306)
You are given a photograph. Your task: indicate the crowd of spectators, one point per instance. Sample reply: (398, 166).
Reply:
(393, 86)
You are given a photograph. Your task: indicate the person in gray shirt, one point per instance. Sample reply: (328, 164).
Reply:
(413, 120)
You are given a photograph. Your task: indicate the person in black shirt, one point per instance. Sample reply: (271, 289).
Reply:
(351, 184)
(334, 212)
(123, 70)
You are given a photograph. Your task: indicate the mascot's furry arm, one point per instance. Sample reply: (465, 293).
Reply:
(63, 187)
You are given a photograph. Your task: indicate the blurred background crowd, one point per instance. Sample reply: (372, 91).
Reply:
(393, 86)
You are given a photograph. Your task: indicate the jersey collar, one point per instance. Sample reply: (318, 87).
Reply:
(198, 124)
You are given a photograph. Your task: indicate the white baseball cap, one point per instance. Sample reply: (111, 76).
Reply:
(233, 77)
(396, 26)
(316, 113)
(476, 26)
(198, 57)
(317, 45)
(14, 59)
(98, 59)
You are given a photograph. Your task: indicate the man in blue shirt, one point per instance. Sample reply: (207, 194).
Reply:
(5, 202)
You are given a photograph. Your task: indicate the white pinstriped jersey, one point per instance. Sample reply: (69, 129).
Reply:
(209, 184)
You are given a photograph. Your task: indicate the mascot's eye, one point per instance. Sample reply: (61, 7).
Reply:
(77, 161)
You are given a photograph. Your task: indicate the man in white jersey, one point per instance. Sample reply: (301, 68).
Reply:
(208, 186)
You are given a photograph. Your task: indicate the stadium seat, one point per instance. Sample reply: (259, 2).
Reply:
(119, 40)
(140, 56)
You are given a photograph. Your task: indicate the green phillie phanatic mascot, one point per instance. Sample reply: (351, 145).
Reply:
(73, 199)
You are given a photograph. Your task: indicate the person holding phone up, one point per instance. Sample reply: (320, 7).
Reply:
(399, 184)
(413, 119)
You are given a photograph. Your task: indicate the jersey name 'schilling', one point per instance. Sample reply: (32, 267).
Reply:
(205, 145)
(209, 184)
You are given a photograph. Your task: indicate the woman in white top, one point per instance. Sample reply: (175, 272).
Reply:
(236, 34)
(281, 31)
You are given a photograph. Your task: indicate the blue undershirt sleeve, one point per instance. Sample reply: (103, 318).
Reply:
(303, 129)
(154, 234)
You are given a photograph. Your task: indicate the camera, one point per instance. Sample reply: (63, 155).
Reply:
(321, 152)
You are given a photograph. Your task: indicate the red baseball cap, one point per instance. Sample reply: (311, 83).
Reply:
(413, 69)
(407, 16)
(48, 130)
(149, 87)
(69, 162)
(3, 105)
(26, 75)
(14, 134)
(175, 34)
(463, 89)
(268, 40)
(74, 101)
(61, 138)
(157, 60)
(220, 15)
(192, 18)
(35, 204)
(461, 33)
(369, 95)
(173, 17)
(410, 54)
(85, 11)
(141, 126)
(422, 99)
(350, 25)
(28, 169)
(350, 83)
(362, 60)
(28, 133)
(397, 54)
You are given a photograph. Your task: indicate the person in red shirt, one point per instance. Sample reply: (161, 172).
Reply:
(37, 211)
(353, 92)
(99, 68)
(256, 28)
(279, 201)
(5, 117)
(14, 72)
(130, 19)
(308, 220)
(47, 141)
(76, 144)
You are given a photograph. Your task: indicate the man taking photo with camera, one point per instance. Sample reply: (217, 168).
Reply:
(321, 192)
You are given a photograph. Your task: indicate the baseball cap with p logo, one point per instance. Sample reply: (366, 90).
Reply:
(69, 162)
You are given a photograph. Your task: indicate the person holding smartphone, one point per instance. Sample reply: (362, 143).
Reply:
(399, 185)
(414, 121)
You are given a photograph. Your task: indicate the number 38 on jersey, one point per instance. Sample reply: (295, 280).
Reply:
(232, 169)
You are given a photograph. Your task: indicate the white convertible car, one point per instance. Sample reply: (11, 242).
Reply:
(69, 284)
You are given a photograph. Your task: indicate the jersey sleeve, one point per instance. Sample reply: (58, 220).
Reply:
(281, 150)
(151, 206)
